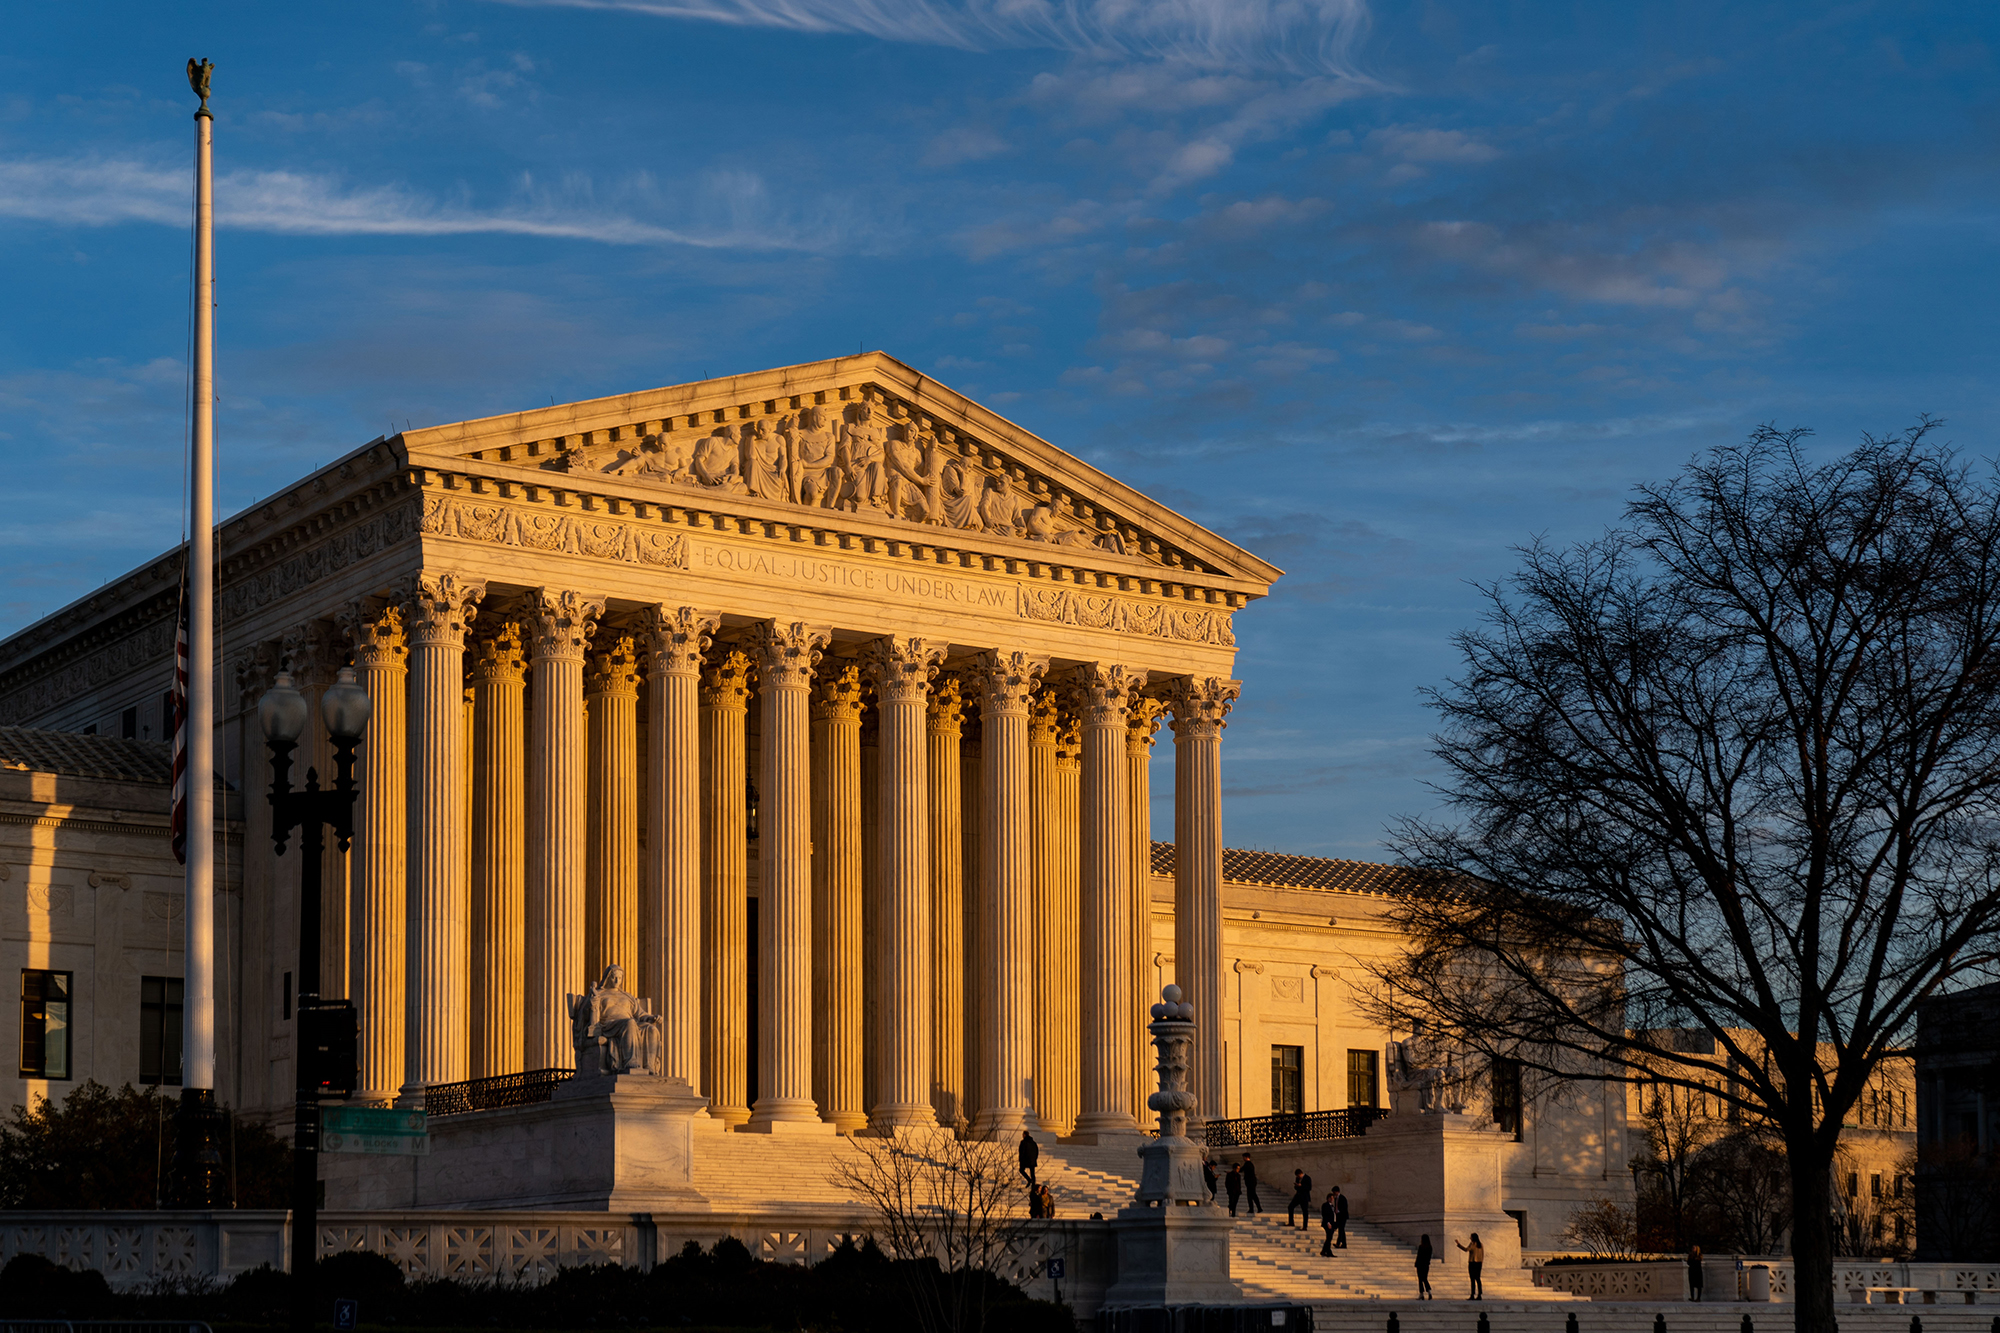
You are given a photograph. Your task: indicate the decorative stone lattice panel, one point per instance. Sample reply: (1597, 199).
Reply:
(531, 1254)
(173, 1252)
(468, 1253)
(782, 1247)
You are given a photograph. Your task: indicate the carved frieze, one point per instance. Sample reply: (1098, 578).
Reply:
(298, 572)
(1099, 610)
(630, 541)
(120, 657)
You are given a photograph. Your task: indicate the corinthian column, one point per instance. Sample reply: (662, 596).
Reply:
(1101, 692)
(560, 624)
(1045, 821)
(902, 669)
(670, 897)
(375, 970)
(725, 888)
(436, 611)
(836, 865)
(1200, 704)
(787, 654)
(1142, 719)
(1006, 892)
(313, 655)
(1062, 928)
(944, 732)
(611, 862)
(499, 852)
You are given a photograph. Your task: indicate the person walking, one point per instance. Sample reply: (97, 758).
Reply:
(1475, 1259)
(1234, 1182)
(1424, 1292)
(1694, 1272)
(1328, 1220)
(1251, 1203)
(1208, 1176)
(1031, 1156)
(1340, 1216)
(1301, 1201)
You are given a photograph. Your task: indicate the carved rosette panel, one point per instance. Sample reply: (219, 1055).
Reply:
(1142, 722)
(613, 668)
(376, 633)
(495, 658)
(438, 608)
(838, 693)
(561, 623)
(902, 668)
(677, 637)
(725, 682)
(946, 707)
(788, 651)
(1006, 681)
(1201, 704)
(1102, 692)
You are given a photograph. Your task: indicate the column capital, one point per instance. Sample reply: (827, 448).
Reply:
(787, 652)
(677, 636)
(255, 668)
(1142, 721)
(838, 693)
(1103, 692)
(376, 632)
(560, 623)
(1200, 704)
(1069, 742)
(313, 652)
(1045, 715)
(437, 608)
(725, 682)
(902, 667)
(1006, 681)
(495, 657)
(612, 667)
(946, 708)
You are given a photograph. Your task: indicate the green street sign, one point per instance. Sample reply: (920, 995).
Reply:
(372, 1129)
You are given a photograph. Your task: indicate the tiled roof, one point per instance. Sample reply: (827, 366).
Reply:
(1275, 870)
(75, 755)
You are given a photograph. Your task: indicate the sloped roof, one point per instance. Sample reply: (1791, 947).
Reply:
(72, 754)
(1276, 870)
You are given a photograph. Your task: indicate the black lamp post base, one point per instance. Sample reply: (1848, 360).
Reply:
(197, 1176)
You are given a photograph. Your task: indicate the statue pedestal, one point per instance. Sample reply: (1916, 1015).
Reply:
(620, 1142)
(1438, 1174)
(1174, 1254)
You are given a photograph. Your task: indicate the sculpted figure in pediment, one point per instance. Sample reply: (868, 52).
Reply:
(716, 460)
(913, 491)
(999, 508)
(1046, 523)
(958, 487)
(864, 439)
(765, 458)
(660, 458)
(814, 447)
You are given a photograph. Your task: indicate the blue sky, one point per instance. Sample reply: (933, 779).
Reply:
(1379, 291)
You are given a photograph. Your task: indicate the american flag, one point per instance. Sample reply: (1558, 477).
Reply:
(181, 725)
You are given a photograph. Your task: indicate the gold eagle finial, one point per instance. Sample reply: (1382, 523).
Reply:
(198, 73)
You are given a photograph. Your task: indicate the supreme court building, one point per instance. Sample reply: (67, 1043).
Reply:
(822, 700)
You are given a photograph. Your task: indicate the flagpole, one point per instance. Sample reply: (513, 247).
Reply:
(198, 1159)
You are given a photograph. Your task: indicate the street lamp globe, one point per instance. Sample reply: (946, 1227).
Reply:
(283, 712)
(345, 707)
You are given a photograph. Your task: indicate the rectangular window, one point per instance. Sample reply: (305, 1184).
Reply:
(1288, 1085)
(1875, 1185)
(128, 724)
(160, 1031)
(1853, 1185)
(1899, 1186)
(285, 1004)
(44, 1023)
(1361, 1070)
(1507, 1097)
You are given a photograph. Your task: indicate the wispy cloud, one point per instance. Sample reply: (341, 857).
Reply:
(104, 191)
(1314, 36)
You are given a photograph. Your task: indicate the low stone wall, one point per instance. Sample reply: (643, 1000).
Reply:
(1666, 1279)
(138, 1249)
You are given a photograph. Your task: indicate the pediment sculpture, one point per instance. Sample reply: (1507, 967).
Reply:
(615, 1032)
(854, 457)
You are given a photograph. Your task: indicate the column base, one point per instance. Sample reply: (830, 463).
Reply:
(786, 1115)
(730, 1116)
(997, 1122)
(845, 1122)
(410, 1097)
(889, 1117)
(1095, 1127)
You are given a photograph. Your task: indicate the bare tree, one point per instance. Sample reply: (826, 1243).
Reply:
(1731, 767)
(1601, 1227)
(1677, 1127)
(947, 1208)
(1744, 1192)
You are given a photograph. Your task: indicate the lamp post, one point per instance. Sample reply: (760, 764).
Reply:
(284, 715)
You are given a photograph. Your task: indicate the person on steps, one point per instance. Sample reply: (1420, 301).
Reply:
(1424, 1292)
(1301, 1201)
(1208, 1176)
(1328, 1221)
(1251, 1203)
(1031, 1156)
(1475, 1259)
(1694, 1272)
(1340, 1216)
(1234, 1182)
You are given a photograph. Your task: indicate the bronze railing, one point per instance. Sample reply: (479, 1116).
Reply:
(1345, 1123)
(490, 1094)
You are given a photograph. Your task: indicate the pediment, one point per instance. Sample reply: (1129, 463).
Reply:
(866, 437)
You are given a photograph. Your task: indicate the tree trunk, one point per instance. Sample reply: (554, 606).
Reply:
(1812, 1236)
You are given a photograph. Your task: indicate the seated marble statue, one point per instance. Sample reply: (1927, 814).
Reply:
(614, 1032)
